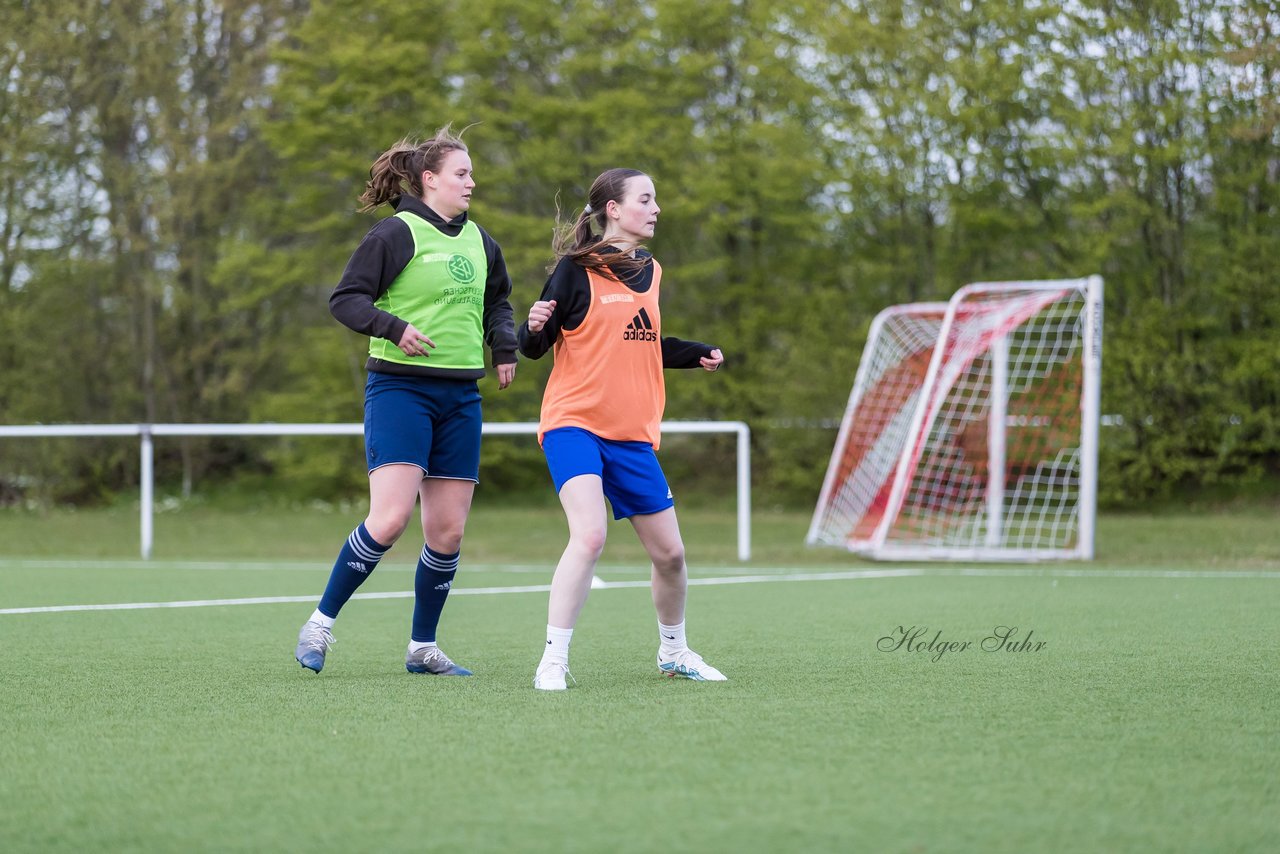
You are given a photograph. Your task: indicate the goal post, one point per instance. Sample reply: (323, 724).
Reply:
(971, 432)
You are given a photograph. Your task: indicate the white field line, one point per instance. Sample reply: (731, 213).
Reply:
(778, 574)
(1046, 570)
(241, 566)
(407, 566)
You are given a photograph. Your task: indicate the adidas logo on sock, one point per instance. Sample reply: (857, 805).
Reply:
(444, 586)
(640, 328)
(358, 566)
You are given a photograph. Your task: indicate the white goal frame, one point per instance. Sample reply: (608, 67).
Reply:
(148, 432)
(893, 463)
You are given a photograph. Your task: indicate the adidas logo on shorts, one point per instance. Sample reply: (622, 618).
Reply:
(640, 328)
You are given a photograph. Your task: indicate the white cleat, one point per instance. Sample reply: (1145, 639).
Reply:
(313, 644)
(551, 676)
(688, 664)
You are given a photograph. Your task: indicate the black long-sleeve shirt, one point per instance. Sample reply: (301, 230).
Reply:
(569, 286)
(385, 251)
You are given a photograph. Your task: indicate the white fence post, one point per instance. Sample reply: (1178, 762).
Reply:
(146, 490)
(744, 492)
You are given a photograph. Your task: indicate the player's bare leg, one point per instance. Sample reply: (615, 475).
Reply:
(659, 533)
(583, 500)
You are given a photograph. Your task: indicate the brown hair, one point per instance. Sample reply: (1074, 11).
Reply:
(577, 239)
(398, 170)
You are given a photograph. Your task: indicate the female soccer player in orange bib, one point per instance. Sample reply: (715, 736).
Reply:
(599, 428)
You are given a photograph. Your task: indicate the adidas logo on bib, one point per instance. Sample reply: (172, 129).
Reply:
(640, 329)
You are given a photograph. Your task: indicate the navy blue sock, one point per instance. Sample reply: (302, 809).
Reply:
(359, 555)
(431, 586)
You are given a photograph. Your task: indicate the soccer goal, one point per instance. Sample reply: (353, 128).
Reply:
(971, 432)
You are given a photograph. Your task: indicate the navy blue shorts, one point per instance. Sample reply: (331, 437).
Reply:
(633, 481)
(427, 422)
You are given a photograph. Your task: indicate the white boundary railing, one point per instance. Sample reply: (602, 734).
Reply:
(147, 433)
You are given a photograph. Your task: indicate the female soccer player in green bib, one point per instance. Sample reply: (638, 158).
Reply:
(430, 288)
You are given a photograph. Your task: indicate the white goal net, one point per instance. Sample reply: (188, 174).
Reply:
(972, 429)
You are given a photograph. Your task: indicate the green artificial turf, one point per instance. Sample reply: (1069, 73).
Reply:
(500, 532)
(1145, 722)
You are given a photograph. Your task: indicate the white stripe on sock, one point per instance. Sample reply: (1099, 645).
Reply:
(362, 549)
(448, 565)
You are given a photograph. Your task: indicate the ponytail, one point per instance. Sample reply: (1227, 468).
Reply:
(398, 170)
(577, 239)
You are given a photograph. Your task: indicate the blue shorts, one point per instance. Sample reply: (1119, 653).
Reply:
(427, 422)
(629, 471)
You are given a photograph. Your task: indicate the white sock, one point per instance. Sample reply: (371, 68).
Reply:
(671, 638)
(323, 619)
(414, 645)
(557, 647)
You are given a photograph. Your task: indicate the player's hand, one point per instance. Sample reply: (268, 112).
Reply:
(506, 373)
(412, 341)
(712, 362)
(540, 313)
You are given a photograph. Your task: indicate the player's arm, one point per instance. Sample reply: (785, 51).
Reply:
(563, 304)
(498, 320)
(385, 251)
(678, 353)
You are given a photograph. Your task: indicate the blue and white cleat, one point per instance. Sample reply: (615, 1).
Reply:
(313, 642)
(431, 660)
(687, 664)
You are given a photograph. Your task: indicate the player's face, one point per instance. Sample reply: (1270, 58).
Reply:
(448, 191)
(633, 218)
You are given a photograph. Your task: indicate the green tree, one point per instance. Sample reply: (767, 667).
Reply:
(178, 185)
(140, 111)
(702, 97)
